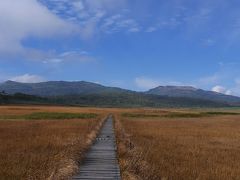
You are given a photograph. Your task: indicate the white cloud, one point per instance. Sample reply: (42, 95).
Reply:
(102, 16)
(227, 76)
(222, 90)
(91, 15)
(28, 78)
(192, 20)
(120, 22)
(229, 92)
(105, 4)
(70, 56)
(219, 89)
(146, 83)
(28, 18)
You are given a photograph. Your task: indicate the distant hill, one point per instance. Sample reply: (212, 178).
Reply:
(57, 88)
(91, 94)
(191, 92)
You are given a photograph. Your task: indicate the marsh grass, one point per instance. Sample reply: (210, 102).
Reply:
(178, 114)
(54, 115)
(197, 114)
(186, 115)
(134, 115)
(49, 115)
(184, 149)
(221, 113)
(44, 147)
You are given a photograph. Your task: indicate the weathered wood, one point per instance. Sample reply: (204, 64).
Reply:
(101, 161)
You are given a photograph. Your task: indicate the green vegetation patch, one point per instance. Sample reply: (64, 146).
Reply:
(179, 114)
(132, 115)
(10, 117)
(221, 113)
(185, 115)
(198, 115)
(49, 115)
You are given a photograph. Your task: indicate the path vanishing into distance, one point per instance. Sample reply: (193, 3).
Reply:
(101, 161)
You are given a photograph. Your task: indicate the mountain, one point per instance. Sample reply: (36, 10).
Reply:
(191, 92)
(83, 93)
(56, 88)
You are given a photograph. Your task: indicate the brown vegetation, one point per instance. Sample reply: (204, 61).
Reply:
(179, 147)
(44, 149)
(152, 143)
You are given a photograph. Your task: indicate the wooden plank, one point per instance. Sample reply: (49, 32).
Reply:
(101, 160)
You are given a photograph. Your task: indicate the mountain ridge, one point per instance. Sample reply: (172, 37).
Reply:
(191, 92)
(88, 93)
(56, 88)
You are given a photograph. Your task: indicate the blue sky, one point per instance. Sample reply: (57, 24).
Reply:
(134, 44)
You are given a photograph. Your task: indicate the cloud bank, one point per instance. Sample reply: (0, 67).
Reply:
(28, 18)
(222, 90)
(28, 78)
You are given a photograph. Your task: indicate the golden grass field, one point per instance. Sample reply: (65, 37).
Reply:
(156, 144)
(44, 149)
(152, 143)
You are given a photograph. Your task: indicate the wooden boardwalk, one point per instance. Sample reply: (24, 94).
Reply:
(101, 162)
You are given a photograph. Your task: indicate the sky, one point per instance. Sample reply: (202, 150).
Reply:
(133, 44)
